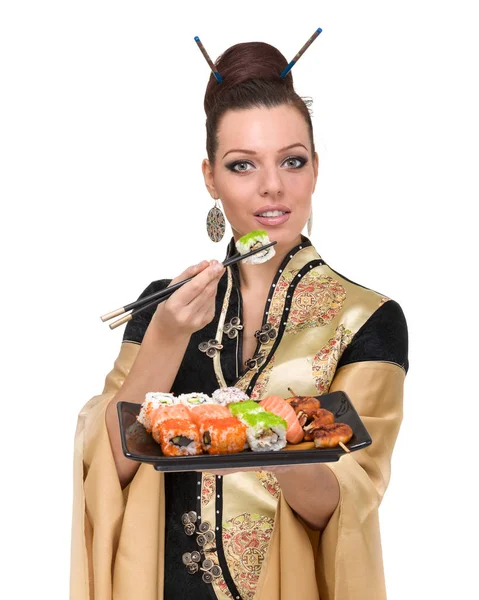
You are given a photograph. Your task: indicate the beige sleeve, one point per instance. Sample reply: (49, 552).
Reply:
(345, 561)
(349, 561)
(116, 534)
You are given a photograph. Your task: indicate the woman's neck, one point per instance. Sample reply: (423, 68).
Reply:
(258, 278)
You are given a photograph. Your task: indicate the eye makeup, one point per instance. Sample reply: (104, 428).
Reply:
(231, 166)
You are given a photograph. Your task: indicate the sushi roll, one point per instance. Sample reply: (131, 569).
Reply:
(153, 400)
(227, 395)
(178, 437)
(264, 431)
(165, 413)
(279, 406)
(251, 241)
(248, 406)
(222, 436)
(208, 411)
(193, 399)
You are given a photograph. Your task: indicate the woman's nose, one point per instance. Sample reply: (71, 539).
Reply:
(270, 181)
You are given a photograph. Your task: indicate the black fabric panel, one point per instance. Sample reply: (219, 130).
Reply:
(384, 336)
(136, 328)
(181, 491)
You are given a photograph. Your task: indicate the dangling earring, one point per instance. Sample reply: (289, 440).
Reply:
(215, 223)
(310, 223)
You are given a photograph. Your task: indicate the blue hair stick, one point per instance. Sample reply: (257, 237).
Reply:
(219, 79)
(288, 68)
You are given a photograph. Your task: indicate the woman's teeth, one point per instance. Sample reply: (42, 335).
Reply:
(272, 213)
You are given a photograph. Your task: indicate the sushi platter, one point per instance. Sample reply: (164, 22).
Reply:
(229, 430)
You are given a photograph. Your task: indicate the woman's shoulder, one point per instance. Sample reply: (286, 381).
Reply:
(137, 326)
(378, 322)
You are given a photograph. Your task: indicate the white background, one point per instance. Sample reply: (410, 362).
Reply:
(101, 140)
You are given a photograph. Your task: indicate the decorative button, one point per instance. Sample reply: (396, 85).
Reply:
(192, 568)
(201, 540)
(210, 536)
(207, 564)
(216, 571)
(185, 519)
(207, 577)
(204, 526)
(195, 556)
(189, 529)
(231, 329)
(210, 347)
(193, 516)
(186, 558)
(256, 361)
(266, 333)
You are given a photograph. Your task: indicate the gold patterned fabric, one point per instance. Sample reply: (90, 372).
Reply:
(332, 334)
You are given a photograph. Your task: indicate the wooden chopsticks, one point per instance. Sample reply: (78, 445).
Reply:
(157, 297)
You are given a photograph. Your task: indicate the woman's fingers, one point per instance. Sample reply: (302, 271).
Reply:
(195, 288)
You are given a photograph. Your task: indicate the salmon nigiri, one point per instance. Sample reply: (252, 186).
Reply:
(279, 406)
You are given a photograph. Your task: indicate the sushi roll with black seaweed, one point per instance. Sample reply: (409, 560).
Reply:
(251, 241)
(179, 438)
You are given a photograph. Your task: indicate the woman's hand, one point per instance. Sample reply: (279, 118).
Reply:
(192, 306)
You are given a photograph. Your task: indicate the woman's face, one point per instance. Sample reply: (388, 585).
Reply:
(264, 163)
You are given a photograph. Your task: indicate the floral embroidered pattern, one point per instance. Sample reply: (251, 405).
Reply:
(245, 542)
(221, 584)
(269, 482)
(263, 380)
(317, 300)
(207, 488)
(326, 360)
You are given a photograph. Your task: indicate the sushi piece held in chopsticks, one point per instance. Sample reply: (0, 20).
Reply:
(251, 241)
(153, 400)
(228, 395)
(222, 436)
(279, 406)
(179, 437)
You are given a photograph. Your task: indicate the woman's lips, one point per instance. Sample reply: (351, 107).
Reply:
(273, 220)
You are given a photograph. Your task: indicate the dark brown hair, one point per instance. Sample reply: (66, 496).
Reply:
(251, 78)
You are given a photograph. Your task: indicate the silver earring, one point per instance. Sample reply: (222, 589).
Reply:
(215, 223)
(310, 223)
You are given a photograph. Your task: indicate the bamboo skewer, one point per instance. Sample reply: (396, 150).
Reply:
(158, 297)
(345, 448)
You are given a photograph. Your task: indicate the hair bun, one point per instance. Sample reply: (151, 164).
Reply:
(244, 62)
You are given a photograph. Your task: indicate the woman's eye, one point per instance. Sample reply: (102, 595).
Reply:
(299, 160)
(241, 164)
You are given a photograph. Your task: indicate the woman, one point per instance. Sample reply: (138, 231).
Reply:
(307, 531)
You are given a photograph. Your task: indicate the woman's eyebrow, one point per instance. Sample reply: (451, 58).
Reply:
(253, 152)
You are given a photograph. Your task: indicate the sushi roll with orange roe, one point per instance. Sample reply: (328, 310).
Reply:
(153, 400)
(166, 413)
(223, 436)
(208, 411)
(178, 437)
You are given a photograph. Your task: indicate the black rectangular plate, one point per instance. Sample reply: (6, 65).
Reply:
(139, 445)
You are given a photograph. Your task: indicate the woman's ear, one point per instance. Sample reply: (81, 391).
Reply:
(315, 168)
(209, 179)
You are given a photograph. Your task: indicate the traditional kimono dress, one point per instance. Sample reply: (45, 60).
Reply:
(321, 332)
